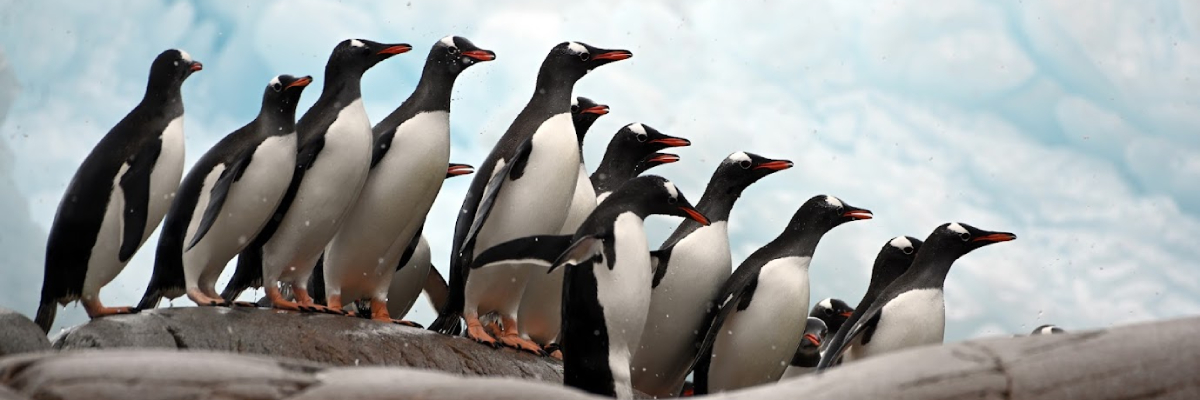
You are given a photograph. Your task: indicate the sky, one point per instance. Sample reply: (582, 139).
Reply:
(1074, 124)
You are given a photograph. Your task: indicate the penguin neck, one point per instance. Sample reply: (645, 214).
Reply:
(435, 87)
(163, 91)
(932, 264)
(615, 168)
(582, 124)
(806, 358)
(799, 241)
(552, 93)
(883, 273)
(277, 115)
(717, 200)
(341, 85)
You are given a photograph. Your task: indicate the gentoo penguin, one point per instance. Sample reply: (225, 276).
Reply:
(331, 167)
(541, 304)
(894, 258)
(911, 311)
(226, 198)
(1047, 329)
(833, 312)
(607, 284)
(626, 149)
(415, 266)
(525, 189)
(408, 165)
(752, 332)
(693, 263)
(118, 196)
(809, 353)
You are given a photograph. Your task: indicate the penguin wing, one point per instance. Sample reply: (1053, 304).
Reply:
(585, 249)
(539, 249)
(864, 324)
(411, 248)
(735, 296)
(219, 193)
(135, 184)
(513, 170)
(383, 143)
(659, 260)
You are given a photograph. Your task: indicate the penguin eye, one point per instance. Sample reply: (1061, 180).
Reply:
(671, 200)
(452, 50)
(907, 250)
(276, 86)
(828, 311)
(584, 56)
(745, 164)
(574, 109)
(641, 138)
(964, 236)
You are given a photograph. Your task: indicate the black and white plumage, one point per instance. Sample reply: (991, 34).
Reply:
(808, 354)
(627, 148)
(607, 284)
(227, 198)
(118, 195)
(833, 312)
(1047, 329)
(408, 166)
(331, 167)
(541, 304)
(752, 332)
(692, 264)
(911, 311)
(524, 189)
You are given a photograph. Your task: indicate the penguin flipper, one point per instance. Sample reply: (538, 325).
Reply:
(135, 184)
(585, 249)
(411, 248)
(659, 260)
(735, 295)
(539, 249)
(511, 170)
(217, 196)
(850, 330)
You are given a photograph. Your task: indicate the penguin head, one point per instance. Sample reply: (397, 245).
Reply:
(172, 67)
(959, 238)
(283, 92)
(832, 312)
(569, 61)
(453, 54)
(653, 160)
(358, 55)
(639, 139)
(458, 169)
(657, 195)
(815, 330)
(824, 212)
(741, 169)
(1048, 329)
(584, 113)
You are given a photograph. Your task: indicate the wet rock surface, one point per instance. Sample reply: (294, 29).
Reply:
(18, 334)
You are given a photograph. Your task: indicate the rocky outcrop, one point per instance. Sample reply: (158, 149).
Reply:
(326, 339)
(19, 335)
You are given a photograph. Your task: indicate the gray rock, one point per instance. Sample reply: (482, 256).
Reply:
(18, 334)
(327, 339)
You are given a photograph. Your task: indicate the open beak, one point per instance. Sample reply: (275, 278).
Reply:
(614, 55)
(302, 82)
(598, 110)
(857, 214)
(813, 338)
(196, 66)
(397, 49)
(673, 142)
(459, 169)
(776, 165)
(663, 158)
(480, 55)
(695, 215)
(995, 237)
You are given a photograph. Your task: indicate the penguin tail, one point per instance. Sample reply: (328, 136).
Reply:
(46, 312)
(447, 323)
(150, 299)
(248, 273)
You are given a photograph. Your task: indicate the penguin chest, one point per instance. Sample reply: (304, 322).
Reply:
(700, 263)
(914, 318)
(624, 289)
(164, 179)
(582, 202)
(407, 282)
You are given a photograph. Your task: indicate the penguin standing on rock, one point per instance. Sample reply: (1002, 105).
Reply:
(607, 284)
(525, 189)
(693, 263)
(911, 311)
(331, 167)
(118, 196)
(809, 353)
(628, 147)
(408, 166)
(760, 311)
(226, 199)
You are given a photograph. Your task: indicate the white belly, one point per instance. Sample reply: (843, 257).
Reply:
(536, 204)
(328, 190)
(398, 194)
(407, 283)
(766, 334)
(915, 318)
(700, 264)
(624, 293)
(248, 206)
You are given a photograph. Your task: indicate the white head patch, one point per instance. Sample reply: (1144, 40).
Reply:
(826, 304)
(671, 190)
(448, 41)
(357, 43)
(739, 157)
(637, 128)
(274, 81)
(184, 55)
(955, 227)
(574, 101)
(833, 201)
(900, 242)
(576, 47)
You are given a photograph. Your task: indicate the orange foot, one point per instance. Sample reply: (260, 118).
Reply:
(95, 309)
(554, 350)
(277, 300)
(511, 338)
(475, 332)
(379, 312)
(306, 303)
(205, 300)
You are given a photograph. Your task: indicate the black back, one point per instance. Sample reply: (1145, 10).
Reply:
(629, 146)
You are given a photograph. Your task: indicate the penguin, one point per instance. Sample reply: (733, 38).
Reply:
(607, 284)
(893, 260)
(334, 158)
(911, 311)
(808, 354)
(693, 263)
(413, 270)
(118, 195)
(751, 333)
(833, 312)
(408, 165)
(630, 145)
(1047, 329)
(541, 304)
(226, 199)
(653, 160)
(528, 180)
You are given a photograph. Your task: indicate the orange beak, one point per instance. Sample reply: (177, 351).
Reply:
(613, 55)
(457, 170)
(196, 66)
(813, 338)
(302, 82)
(858, 214)
(397, 49)
(847, 314)
(664, 158)
(995, 237)
(598, 110)
(777, 165)
(673, 142)
(481, 55)
(695, 215)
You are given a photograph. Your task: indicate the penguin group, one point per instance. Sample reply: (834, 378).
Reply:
(326, 214)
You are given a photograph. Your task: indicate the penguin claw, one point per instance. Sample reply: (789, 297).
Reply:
(407, 323)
